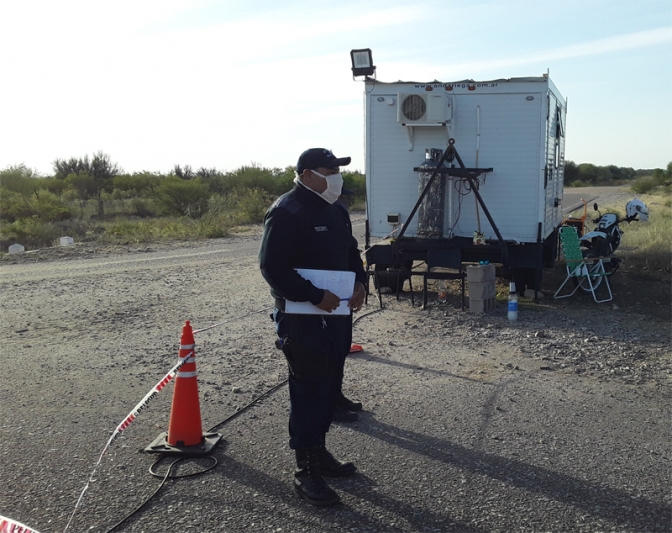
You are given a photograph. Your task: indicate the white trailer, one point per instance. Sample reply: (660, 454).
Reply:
(502, 200)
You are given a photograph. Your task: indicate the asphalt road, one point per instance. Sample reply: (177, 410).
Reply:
(557, 422)
(603, 196)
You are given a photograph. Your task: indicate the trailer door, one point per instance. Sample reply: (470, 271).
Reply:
(555, 163)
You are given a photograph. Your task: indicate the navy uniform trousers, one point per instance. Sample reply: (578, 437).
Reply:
(315, 347)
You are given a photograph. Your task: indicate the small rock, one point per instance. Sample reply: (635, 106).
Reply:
(236, 390)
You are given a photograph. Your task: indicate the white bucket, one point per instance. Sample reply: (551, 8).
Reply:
(17, 248)
(66, 241)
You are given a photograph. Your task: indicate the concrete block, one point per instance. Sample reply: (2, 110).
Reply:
(481, 306)
(16, 248)
(482, 290)
(67, 241)
(480, 273)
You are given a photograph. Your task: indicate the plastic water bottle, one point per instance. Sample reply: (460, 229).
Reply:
(442, 291)
(513, 302)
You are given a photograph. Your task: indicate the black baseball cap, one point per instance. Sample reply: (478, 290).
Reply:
(319, 157)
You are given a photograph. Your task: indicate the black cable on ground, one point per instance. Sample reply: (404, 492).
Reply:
(214, 460)
(257, 399)
(367, 314)
(165, 478)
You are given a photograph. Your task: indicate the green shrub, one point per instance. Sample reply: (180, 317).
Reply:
(84, 185)
(213, 226)
(137, 184)
(356, 182)
(30, 232)
(644, 185)
(242, 206)
(253, 205)
(21, 179)
(663, 177)
(13, 205)
(74, 228)
(274, 181)
(41, 205)
(50, 208)
(141, 208)
(220, 204)
(178, 197)
(166, 229)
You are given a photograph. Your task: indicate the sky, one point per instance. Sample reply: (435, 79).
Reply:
(226, 83)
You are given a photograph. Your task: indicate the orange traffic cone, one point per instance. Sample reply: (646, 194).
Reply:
(185, 432)
(185, 427)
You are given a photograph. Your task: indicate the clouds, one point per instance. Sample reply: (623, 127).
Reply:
(223, 83)
(610, 45)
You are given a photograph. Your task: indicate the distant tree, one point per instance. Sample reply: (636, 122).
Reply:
(207, 172)
(64, 167)
(100, 168)
(185, 173)
(621, 173)
(643, 172)
(103, 171)
(356, 182)
(571, 172)
(663, 177)
(20, 179)
(136, 184)
(83, 184)
(588, 173)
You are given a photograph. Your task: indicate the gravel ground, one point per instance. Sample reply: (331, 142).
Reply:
(557, 422)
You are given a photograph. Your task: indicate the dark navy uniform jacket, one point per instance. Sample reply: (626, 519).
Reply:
(302, 230)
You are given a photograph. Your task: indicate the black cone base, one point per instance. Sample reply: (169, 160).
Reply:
(160, 445)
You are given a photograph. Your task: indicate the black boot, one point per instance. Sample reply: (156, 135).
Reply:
(332, 467)
(343, 415)
(345, 403)
(308, 482)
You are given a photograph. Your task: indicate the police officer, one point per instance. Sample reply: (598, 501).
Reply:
(308, 228)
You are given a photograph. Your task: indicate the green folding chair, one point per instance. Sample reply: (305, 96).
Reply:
(587, 273)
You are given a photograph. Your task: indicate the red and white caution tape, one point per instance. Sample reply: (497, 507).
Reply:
(7, 525)
(123, 425)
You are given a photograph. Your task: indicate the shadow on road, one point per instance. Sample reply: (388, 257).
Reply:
(612, 504)
(360, 487)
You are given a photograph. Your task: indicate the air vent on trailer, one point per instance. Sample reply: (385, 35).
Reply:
(428, 108)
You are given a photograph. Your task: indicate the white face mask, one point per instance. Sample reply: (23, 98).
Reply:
(334, 186)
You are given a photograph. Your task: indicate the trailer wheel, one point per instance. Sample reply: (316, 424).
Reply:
(595, 280)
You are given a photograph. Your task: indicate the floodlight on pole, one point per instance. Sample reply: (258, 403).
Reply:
(362, 62)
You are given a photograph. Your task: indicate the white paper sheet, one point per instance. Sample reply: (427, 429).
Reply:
(340, 283)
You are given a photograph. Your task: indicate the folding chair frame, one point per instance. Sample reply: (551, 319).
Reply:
(577, 267)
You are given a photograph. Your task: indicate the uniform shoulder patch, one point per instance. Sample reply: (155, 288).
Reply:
(289, 203)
